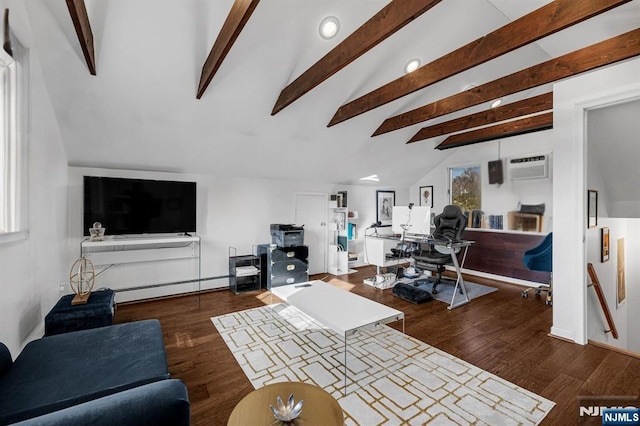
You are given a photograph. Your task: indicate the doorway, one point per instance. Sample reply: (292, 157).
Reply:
(311, 211)
(613, 228)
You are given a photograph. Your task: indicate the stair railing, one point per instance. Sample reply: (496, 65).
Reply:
(595, 283)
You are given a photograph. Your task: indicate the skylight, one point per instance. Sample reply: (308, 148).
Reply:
(371, 178)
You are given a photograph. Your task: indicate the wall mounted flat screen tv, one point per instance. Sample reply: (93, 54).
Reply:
(139, 206)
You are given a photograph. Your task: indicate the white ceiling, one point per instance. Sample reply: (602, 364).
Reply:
(140, 111)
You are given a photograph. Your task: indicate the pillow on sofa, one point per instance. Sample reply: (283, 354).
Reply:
(5, 359)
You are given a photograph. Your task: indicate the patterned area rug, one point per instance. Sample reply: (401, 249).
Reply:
(393, 379)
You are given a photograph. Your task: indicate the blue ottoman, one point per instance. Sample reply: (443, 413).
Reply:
(65, 317)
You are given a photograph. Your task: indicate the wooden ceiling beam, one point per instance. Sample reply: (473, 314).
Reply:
(80, 18)
(607, 52)
(236, 19)
(535, 123)
(540, 23)
(521, 108)
(387, 21)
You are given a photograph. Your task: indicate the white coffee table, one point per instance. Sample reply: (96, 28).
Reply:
(341, 311)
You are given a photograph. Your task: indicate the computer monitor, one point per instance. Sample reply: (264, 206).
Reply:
(414, 221)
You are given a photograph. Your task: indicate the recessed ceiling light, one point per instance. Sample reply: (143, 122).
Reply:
(329, 27)
(496, 103)
(371, 178)
(412, 65)
(469, 87)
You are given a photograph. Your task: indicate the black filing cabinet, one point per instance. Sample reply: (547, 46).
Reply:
(283, 265)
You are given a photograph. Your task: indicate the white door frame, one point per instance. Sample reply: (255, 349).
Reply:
(571, 101)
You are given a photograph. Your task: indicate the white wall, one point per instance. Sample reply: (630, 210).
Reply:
(571, 98)
(496, 199)
(633, 284)
(31, 269)
(625, 313)
(234, 212)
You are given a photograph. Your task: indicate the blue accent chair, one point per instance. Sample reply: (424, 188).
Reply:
(540, 258)
(113, 375)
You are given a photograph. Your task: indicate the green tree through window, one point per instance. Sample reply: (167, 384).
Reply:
(466, 190)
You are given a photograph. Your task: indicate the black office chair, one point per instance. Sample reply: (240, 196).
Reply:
(450, 225)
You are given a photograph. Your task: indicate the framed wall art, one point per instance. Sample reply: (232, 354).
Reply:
(604, 244)
(385, 200)
(592, 208)
(621, 279)
(426, 196)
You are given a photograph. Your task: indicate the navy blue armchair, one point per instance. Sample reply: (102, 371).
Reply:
(540, 258)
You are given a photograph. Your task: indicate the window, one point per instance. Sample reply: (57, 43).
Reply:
(465, 187)
(10, 148)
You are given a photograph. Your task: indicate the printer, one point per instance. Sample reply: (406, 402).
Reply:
(287, 235)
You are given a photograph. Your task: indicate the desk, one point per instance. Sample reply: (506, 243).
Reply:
(500, 252)
(452, 247)
(319, 408)
(376, 248)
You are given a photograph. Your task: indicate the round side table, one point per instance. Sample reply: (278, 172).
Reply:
(319, 407)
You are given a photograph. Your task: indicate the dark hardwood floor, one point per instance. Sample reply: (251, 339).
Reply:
(500, 332)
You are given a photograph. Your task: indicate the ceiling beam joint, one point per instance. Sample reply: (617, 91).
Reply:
(80, 18)
(237, 18)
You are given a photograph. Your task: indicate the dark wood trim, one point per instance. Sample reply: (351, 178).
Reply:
(236, 19)
(78, 12)
(535, 123)
(6, 45)
(622, 351)
(540, 23)
(603, 300)
(521, 108)
(606, 52)
(383, 24)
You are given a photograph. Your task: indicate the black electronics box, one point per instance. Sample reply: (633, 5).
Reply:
(287, 235)
(495, 172)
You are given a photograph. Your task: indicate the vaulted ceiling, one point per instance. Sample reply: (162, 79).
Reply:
(249, 88)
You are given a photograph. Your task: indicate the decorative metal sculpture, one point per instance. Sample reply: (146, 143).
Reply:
(81, 279)
(289, 412)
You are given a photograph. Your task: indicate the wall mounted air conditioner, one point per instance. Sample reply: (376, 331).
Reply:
(533, 167)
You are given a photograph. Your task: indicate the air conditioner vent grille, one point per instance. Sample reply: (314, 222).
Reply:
(533, 167)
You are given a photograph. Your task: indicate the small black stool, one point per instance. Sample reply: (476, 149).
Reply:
(97, 312)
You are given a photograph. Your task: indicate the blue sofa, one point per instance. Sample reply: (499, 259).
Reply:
(103, 376)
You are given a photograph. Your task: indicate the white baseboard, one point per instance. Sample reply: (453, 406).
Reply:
(564, 334)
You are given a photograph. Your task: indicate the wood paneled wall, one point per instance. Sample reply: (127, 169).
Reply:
(501, 253)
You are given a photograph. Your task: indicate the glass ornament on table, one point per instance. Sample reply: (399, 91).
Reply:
(96, 233)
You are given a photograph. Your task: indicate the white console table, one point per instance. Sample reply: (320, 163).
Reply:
(118, 250)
